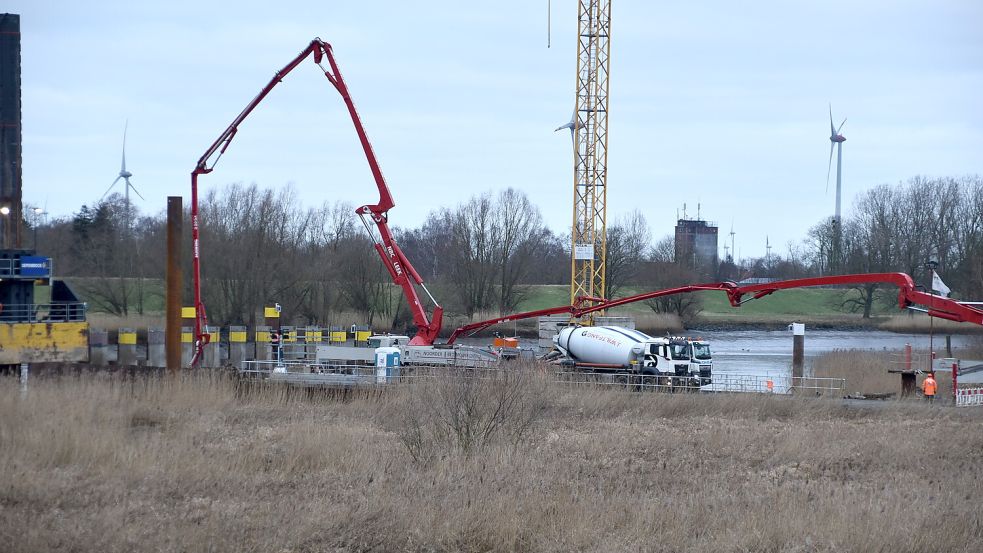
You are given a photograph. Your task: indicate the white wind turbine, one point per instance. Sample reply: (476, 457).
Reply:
(572, 125)
(125, 175)
(836, 139)
(733, 251)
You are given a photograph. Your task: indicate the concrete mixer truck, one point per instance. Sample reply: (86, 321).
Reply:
(684, 361)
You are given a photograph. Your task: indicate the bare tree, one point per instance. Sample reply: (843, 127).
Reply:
(658, 275)
(106, 252)
(521, 240)
(821, 241)
(252, 241)
(629, 240)
(494, 243)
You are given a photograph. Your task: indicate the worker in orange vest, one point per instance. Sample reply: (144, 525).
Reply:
(929, 386)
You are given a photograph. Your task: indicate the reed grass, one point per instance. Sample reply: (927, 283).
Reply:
(201, 463)
(923, 324)
(866, 372)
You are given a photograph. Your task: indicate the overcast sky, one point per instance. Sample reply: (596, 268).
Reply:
(720, 103)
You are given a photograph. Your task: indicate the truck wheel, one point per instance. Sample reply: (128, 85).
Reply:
(648, 380)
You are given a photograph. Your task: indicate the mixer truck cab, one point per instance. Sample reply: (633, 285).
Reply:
(615, 348)
(686, 357)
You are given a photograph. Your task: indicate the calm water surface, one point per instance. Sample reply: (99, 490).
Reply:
(767, 354)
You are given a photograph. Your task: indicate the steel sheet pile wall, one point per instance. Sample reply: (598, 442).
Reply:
(10, 131)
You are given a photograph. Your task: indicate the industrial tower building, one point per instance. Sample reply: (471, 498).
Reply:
(696, 245)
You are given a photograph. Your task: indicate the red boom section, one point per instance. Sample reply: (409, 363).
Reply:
(392, 257)
(580, 307)
(908, 295)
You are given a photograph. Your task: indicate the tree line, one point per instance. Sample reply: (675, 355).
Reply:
(479, 258)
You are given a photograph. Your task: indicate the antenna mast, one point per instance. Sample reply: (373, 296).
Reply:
(589, 230)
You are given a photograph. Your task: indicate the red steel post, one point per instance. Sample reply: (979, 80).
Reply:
(955, 382)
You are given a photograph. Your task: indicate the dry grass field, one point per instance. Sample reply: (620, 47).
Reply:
(511, 462)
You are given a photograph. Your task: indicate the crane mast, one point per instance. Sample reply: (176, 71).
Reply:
(588, 250)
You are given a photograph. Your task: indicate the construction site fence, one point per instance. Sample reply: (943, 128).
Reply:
(727, 382)
(302, 372)
(969, 396)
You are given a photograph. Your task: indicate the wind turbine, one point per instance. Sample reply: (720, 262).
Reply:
(125, 175)
(836, 139)
(732, 233)
(573, 125)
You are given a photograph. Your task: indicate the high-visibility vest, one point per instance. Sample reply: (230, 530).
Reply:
(929, 386)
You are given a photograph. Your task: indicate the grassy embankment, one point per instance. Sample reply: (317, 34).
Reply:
(101, 464)
(818, 308)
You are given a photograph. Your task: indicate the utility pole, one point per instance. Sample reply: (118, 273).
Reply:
(930, 266)
(172, 333)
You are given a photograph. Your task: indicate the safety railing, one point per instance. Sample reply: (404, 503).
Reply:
(306, 373)
(42, 312)
(737, 383)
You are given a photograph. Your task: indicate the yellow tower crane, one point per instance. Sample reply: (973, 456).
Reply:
(589, 129)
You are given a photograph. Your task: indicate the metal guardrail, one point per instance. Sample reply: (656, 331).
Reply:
(739, 383)
(42, 312)
(366, 375)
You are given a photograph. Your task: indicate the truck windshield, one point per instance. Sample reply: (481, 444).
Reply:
(680, 351)
(701, 351)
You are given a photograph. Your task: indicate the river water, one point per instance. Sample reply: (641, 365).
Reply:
(763, 355)
(769, 350)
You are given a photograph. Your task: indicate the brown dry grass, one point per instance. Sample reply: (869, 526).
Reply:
(658, 323)
(923, 324)
(99, 463)
(866, 372)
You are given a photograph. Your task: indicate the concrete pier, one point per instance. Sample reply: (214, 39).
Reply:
(238, 347)
(187, 345)
(126, 345)
(292, 350)
(156, 353)
(212, 353)
(263, 352)
(312, 337)
(337, 335)
(98, 347)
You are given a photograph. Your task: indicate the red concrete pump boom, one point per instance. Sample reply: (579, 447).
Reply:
(395, 261)
(908, 296)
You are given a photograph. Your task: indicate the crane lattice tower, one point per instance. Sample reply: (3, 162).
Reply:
(588, 236)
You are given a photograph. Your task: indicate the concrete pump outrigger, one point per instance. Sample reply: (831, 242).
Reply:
(399, 267)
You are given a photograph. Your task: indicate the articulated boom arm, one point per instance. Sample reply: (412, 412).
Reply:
(908, 296)
(584, 305)
(399, 267)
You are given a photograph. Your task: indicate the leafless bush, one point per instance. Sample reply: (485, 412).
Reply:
(468, 410)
